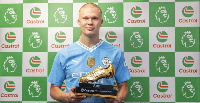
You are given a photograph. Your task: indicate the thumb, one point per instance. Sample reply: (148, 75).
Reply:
(73, 89)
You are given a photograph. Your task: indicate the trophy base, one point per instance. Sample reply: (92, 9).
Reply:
(98, 90)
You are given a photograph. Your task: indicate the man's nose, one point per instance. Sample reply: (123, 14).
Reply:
(90, 21)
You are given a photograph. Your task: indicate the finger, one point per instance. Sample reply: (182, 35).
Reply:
(73, 89)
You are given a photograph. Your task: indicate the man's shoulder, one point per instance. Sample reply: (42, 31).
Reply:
(69, 48)
(110, 46)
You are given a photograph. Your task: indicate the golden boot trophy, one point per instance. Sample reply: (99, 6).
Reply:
(97, 89)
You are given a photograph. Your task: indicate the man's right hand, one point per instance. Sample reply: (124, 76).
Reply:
(72, 97)
(57, 94)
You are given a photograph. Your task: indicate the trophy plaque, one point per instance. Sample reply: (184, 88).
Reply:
(89, 89)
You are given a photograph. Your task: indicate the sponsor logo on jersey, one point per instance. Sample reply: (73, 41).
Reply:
(162, 15)
(10, 16)
(188, 40)
(110, 15)
(188, 90)
(60, 15)
(136, 89)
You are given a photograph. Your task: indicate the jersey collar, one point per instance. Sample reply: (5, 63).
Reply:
(90, 49)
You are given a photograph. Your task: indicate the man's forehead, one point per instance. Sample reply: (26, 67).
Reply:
(89, 7)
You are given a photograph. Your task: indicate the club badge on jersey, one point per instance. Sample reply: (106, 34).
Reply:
(106, 61)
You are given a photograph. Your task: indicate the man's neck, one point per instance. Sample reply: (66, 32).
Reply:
(89, 42)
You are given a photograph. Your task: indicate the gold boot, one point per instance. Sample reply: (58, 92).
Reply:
(98, 73)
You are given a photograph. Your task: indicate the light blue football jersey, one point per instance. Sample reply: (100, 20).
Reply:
(73, 62)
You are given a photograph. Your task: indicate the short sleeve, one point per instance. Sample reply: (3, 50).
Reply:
(122, 73)
(57, 74)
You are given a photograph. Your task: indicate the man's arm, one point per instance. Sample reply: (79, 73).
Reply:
(122, 92)
(57, 94)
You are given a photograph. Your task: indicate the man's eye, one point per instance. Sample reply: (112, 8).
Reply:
(94, 18)
(85, 18)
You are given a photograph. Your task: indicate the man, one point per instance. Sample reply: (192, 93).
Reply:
(71, 62)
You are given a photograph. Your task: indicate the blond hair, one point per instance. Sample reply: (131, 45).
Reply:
(90, 5)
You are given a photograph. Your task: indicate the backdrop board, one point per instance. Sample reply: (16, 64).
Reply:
(159, 38)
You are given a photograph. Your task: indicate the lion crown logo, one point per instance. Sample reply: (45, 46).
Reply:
(137, 89)
(34, 89)
(10, 65)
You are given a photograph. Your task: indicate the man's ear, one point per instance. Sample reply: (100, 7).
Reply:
(101, 22)
(78, 21)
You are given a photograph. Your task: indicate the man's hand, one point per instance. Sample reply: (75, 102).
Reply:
(57, 94)
(113, 100)
(72, 97)
(122, 92)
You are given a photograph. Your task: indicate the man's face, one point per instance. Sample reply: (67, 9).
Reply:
(90, 21)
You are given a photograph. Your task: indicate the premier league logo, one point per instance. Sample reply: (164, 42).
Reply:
(188, 90)
(34, 89)
(161, 15)
(10, 16)
(110, 15)
(35, 40)
(10, 65)
(136, 89)
(161, 64)
(60, 15)
(188, 39)
(136, 40)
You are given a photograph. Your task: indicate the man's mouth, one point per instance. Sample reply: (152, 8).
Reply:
(90, 28)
